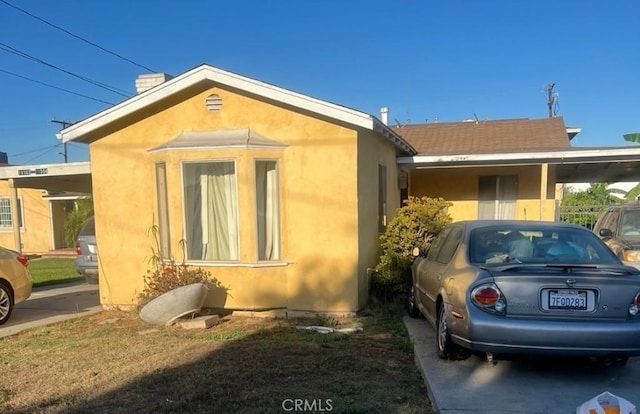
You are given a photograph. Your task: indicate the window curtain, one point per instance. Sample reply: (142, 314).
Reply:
(267, 210)
(497, 197)
(212, 211)
(506, 198)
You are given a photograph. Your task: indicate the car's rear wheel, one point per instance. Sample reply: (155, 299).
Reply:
(6, 302)
(445, 347)
(412, 306)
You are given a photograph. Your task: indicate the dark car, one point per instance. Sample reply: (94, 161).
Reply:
(619, 227)
(87, 252)
(526, 287)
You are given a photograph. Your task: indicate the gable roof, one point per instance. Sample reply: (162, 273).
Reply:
(81, 131)
(501, 136)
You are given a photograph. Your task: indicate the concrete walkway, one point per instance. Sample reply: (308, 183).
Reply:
(527, 386)
(53, 304)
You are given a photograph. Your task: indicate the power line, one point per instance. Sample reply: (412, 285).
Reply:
(43, 151)
(55, 87)
(9, 49)
(35, 150)
(76, 36)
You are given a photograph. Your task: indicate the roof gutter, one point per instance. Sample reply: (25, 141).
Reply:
(571, 156)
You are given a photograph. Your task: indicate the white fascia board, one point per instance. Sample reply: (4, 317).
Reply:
(22, 171)
(206, 72)
(216, 147)
(556, 157)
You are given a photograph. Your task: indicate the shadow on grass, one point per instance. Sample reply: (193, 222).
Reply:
(275, 370)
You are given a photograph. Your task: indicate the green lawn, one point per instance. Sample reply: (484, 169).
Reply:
(53, 270)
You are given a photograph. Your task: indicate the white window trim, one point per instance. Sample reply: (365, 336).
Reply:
(184, 204)
(21, 205)
(255, 204)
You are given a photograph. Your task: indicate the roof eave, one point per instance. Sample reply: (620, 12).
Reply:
(82, 129)
(523, 158)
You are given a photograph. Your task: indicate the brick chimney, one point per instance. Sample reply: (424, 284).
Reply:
(148, 81)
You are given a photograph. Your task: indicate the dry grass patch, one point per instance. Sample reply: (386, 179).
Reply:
(112, 362)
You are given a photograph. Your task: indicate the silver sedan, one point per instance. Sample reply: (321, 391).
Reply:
(526, 287)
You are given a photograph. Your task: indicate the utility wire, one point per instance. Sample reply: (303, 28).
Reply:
(35, 150)
(76, 36)
(42, 152)
(9, 49)
(55, 87)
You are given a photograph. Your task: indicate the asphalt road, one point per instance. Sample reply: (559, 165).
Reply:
(532, 386)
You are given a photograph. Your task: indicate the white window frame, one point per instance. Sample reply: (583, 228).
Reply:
(276, 250)
(235, 257)
(8, 228)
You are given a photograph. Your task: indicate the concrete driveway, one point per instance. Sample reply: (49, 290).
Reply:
(52, 304)
(533, 386)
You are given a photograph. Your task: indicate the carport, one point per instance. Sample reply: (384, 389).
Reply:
(573, 165)
(53, 178)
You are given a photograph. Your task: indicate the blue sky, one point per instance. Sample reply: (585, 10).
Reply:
(424, 60)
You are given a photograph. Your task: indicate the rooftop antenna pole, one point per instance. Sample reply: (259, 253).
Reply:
(551, 99)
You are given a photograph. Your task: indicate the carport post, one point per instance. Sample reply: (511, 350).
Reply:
(544, 176)
(15, 216)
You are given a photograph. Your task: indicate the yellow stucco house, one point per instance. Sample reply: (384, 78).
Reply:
(280, 195)
(34, 201)
(283, 197)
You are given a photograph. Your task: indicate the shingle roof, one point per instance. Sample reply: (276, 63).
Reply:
(501, 136)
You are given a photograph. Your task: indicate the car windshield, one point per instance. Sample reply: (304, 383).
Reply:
(630, 224)
(497, 245)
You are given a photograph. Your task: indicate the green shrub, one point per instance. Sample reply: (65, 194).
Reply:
(414, 225)
(75, 219)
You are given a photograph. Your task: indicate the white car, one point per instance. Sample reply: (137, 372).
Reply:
(15, 281)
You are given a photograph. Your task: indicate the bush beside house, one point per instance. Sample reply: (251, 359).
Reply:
(414, 225)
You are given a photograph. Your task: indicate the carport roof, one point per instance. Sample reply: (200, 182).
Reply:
(573, 165)
(55, 178)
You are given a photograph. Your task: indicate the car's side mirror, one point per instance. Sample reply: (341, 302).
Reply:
(606, 233)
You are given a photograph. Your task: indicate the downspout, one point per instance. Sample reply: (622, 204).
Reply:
(15, 216)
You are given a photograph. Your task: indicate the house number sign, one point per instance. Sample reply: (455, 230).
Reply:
(34, 171)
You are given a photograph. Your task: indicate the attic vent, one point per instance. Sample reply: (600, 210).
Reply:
(213, 103)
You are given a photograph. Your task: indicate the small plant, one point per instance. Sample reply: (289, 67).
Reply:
(165, 276)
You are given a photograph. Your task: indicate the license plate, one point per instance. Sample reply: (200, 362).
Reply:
(568, 299)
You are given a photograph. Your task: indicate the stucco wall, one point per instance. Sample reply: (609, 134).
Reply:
(460, 186)
(372, 152)
(318, 203)
(36, 234)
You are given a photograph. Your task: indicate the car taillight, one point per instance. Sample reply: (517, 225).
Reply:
(631, 255)
(78, 249)
(488, 297)
(24, 260)
(634, 308)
